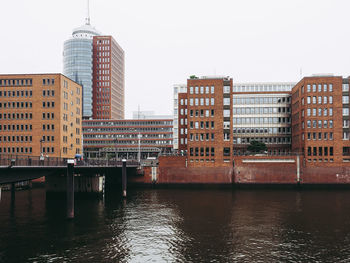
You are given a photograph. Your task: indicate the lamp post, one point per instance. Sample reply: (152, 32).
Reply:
(139, 152)
(116, 152)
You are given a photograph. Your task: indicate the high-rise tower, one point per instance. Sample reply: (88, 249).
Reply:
(97, 63)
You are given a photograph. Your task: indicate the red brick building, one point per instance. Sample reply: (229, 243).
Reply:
(320, 120)
(108, 79)
(205, 121)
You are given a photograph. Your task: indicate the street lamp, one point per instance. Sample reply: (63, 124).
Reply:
(139, 153)
(41, 147)
(116, 153)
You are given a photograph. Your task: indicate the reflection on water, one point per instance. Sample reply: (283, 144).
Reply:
(179, 226)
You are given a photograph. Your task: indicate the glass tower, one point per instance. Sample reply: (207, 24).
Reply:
(77, 62)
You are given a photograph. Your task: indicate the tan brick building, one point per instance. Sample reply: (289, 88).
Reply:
(40, 114)
(320, 120)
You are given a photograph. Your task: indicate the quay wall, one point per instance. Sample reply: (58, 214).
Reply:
(248, 170)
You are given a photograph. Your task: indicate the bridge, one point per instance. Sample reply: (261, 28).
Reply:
(19, 168)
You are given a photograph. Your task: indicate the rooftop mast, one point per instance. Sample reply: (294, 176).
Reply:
(87, 19)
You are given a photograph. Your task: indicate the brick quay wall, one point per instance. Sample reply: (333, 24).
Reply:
(248, 170)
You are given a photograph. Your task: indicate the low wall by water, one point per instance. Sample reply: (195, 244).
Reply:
(250, 170)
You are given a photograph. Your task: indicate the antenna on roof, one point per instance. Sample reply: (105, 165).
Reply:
(87, 19)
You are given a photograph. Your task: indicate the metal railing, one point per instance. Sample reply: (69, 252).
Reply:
(25, 160)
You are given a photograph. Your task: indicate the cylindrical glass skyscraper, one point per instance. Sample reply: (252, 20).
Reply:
(77, 62)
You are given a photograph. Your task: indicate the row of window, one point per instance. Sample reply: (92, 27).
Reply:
(259, 110)
(202, 125)
(12, 127)
(265, 120)
(318, 111)
(260, 100)
(16, 150)
(21, 138)
(202, 90)
(48, 138)
(318, 88)
(202, 101)
(48, 127)
(16, 105)
(48, 81)
(318, 124)
(48, 104)
(202, 113)
(318, 136)
(202, 151)
(319, 151)
(16, 116)
(48, 115)
(48, 93)
(267, 140)
(262, 87)
(18, 93)
(129, 142)
(280, 130)
(318, 100)
(16, 82)
(202, 136)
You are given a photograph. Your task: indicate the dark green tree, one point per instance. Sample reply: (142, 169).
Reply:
(257, 147)
(193, 77)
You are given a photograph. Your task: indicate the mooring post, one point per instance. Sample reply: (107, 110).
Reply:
(70, 189)
(124, 177)
(13, 191)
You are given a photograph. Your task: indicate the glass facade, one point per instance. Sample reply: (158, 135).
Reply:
(77, 62)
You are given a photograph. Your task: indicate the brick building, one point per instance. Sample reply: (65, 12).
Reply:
(205, 121)
(110, 138)
(320, 119)
(40, 114)
(108, 79)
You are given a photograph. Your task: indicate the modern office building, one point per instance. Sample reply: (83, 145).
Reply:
(77, 62)
(262, 112)
(40, 114)
(108, 78)
(125, 138)
(97, 63)
(320, 119)
(178, 88)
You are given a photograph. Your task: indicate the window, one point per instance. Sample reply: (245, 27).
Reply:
(227, 89)
(196, 90)
(330, 99)
(308, 100)
(202, 90)
(324, 87)
(191, 90)
(319, 100)
(308, 112)
(330, 111)
(206, 90)
(314, 99)
(345, 99)
(212, 89)
(319, 88)
(226, 101)
(308, 87)
(226, 113)
(346, 87)
(345, 111)
(212, 101)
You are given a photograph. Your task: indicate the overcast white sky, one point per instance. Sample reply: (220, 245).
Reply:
(167, 41)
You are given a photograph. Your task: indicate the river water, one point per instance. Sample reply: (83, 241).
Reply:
(179, 226)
